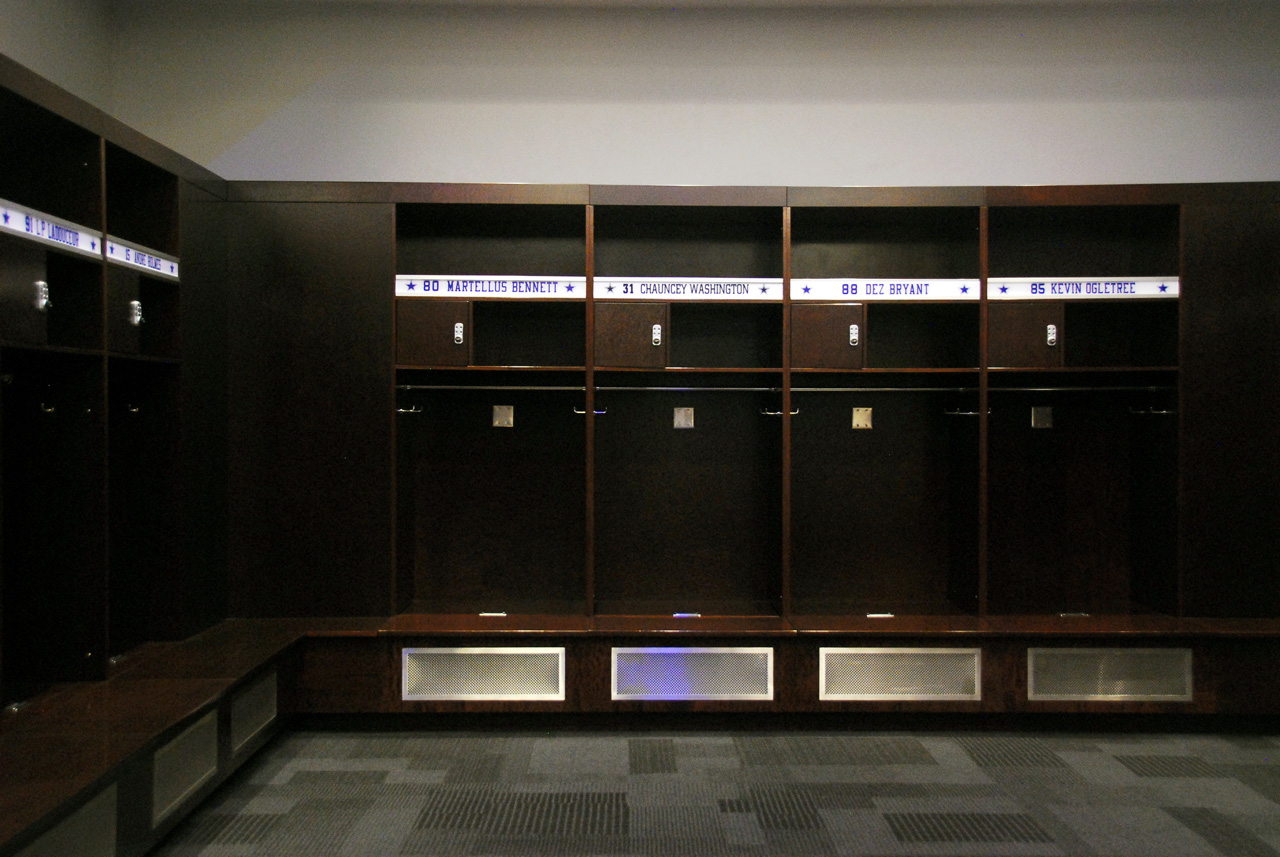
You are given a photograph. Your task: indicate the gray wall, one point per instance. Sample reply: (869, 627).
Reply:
(992, 93)
(66, 41)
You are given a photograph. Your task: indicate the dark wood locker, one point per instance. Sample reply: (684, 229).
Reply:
(827, 336)
(124, 311)
(24, 316)
(632, 335)
(1025, 335)
(433, 333)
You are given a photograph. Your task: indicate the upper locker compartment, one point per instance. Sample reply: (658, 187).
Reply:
(50, 229)
(690, 287)
(1081, 287)
(494, 285)
(142, 252)
(884, 288)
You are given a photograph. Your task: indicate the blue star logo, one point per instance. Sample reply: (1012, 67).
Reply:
(171, 269)
(93, 245)
(568, 288)
(609, 289)
(1164, 288)
(764, 290)
(6, 218)
(806, 290)
(964, 290)
(1004, 289)
(411, 285)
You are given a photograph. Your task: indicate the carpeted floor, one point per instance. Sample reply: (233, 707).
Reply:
(713, 793)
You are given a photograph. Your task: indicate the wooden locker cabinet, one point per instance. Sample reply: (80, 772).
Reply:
(634, 334)
(1020, 333)
(22, 271)
(428, 333)
(822, 336)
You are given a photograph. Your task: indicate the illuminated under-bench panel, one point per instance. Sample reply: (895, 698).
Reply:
(910, 675)
(1109, 675)
(682, 673)
(478, 674)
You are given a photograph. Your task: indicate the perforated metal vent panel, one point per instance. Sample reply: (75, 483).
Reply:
(182, 766)
(498, 674)
(900, 674)
(90, 831)
(1109, 675)
(693, 673)
(252, 710)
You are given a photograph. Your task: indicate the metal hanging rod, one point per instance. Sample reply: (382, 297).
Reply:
(1083, 389)
(884, 389)
(689, 389)
(498, 388)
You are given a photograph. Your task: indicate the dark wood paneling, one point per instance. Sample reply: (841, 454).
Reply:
(532, 333)
(49, 164)
(122, 289)
(75, 301)
(1084, 241)
(725, 335)
(855, 493)
(202, 320)
(884, 196)
(624, 334)
(684, 195)
(1121, 333)
(689, 241)
(922, 336)
(497, 513)
(426, 332)
(1231, 394)
(311, 409)
(820, 337)
(688, 520)
(1017, 334)
(893, 242)
(142, 201)
(495, 194)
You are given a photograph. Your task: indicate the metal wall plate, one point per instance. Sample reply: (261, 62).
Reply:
(182, 766)
(682, 673)
(252, 710)
(683, 418)
(1109, 675)
(504, 416)
(862, 418)
(510, 674)
(1042, 417)
(872, 674)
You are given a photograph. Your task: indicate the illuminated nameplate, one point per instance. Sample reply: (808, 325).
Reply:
(523, 288)
(688, 289)
(29, 223)
(1080, 288)
(135, 256)
(885, 290)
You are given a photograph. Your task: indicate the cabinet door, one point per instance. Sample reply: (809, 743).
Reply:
(827, 336)
(433, 333)
(123, 299)
(22, 271)
(1025, 334)
(631, 334)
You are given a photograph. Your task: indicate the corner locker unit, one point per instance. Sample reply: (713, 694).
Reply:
(490, 352)
(885, 355)
(53, 574)
(1084, 381)
(688, 334)
(144, 390)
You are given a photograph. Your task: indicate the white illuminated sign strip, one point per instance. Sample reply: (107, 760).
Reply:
(487, 287)
(136, 256)
(688, 289)
(1080, 288)
(28, 223)
(885, 290)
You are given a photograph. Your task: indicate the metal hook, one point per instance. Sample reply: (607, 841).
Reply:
(768, 413)
(598, 413)
(48, 409)
(414, 410)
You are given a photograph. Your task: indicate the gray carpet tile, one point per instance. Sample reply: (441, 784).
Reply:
(400, 794)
